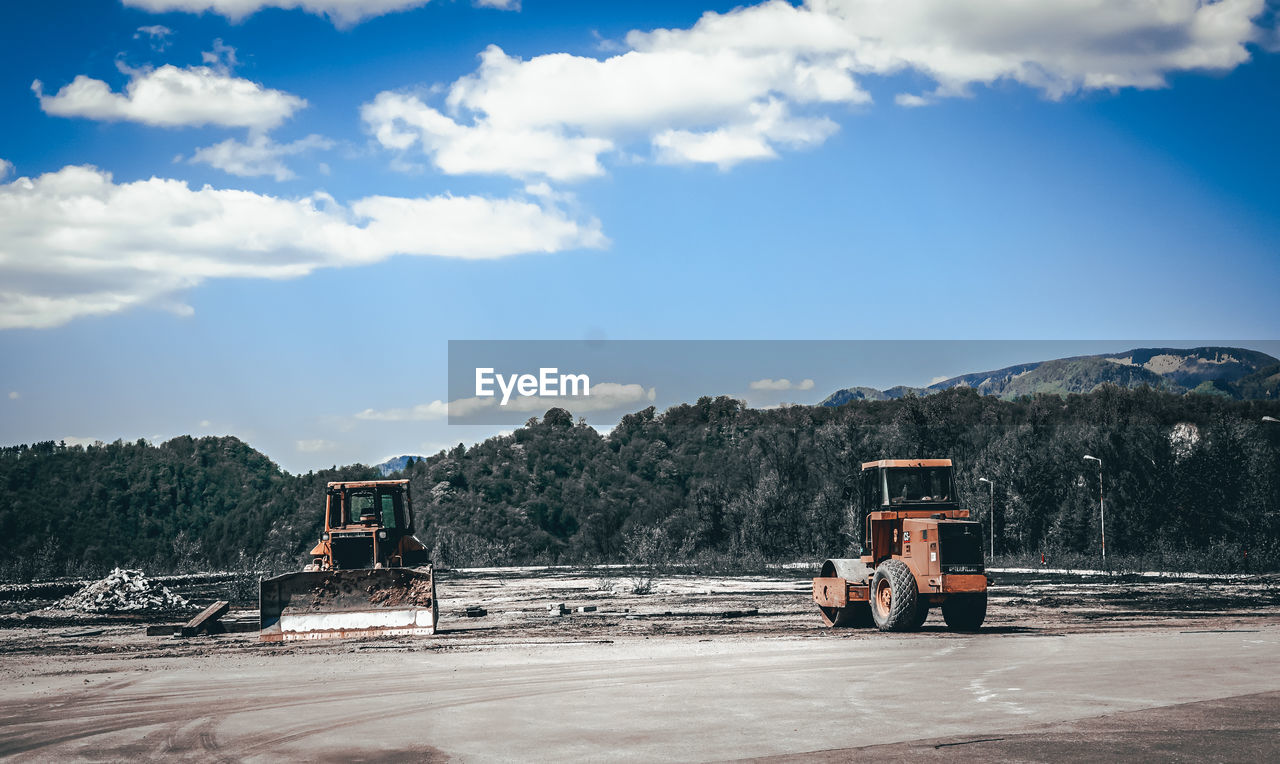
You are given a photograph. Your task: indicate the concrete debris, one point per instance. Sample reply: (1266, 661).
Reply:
(123, 590)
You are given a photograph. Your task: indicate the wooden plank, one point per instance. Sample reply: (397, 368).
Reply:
(206, 618)
(236, 626)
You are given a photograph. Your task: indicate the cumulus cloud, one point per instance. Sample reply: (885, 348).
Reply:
(1056, 46)
(75, 243)
(423, 412)
(910, 100)
(6, 167)
(341, 12)
(173, 97)
(314, 446)
(738, 85)
(258, 156)
(781, 384)
(605, 396)
(14, 395)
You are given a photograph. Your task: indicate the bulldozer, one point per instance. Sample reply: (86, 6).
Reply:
(919, 551)
(368, 575)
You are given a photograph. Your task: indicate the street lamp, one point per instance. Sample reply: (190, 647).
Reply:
(1102, 507)
(992, 514)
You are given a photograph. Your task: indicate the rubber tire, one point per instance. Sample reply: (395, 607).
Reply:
(903, 597)
(855, 615)
(965, 612)
(922, 613)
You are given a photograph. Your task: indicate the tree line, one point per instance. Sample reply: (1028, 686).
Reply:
(1191, 482)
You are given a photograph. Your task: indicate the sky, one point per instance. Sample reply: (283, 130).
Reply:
(268, 218)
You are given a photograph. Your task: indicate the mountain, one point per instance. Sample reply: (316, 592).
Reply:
(1263, 384)
(396, 464)
(1232, 372)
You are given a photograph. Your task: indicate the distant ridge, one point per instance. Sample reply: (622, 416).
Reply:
(1228, 371)
(396, 463)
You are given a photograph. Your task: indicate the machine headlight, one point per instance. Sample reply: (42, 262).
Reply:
(382, 534)
(324, 536)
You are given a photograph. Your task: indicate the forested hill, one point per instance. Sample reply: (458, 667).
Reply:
(1225, 371)
(1191, 481)
(189, 502)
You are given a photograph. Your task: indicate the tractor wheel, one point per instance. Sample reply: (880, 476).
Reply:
(965, 612)
(855, 614)
(894, 598)
(922, 613)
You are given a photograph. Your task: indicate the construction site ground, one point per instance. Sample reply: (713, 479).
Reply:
(702, 668)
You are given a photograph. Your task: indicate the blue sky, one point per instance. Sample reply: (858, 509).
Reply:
(394, 174)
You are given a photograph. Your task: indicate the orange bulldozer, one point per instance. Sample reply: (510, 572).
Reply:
(369, 575)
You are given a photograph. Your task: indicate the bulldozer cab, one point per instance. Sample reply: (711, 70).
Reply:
(377, 504)
(368, 524)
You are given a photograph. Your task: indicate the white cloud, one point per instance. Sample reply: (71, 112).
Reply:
(74, 243)
(1056, 46)
(74, 441)
(314, 446)
(423, 412)
(173, 97)
(755, 139)
(737, 86)
(205, 423)
(14, 395)
(157, 35)
(502, 5)
(399, 121)
(6, 167)
(341, 12)
(258, 156)
(222, 58)
(780, 384)
(556, 114)
(605, 396)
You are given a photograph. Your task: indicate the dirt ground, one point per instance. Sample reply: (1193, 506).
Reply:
(704, 668)
(519, 601)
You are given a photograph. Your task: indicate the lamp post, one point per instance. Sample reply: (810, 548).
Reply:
(991, 514)
(1102, 507)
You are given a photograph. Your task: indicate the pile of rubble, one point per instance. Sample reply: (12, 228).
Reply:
(123, 590)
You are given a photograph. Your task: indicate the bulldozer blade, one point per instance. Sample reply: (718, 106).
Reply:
(331, 604)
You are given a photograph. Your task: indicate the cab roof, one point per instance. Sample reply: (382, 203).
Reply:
(906, 463)
(367, 483)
